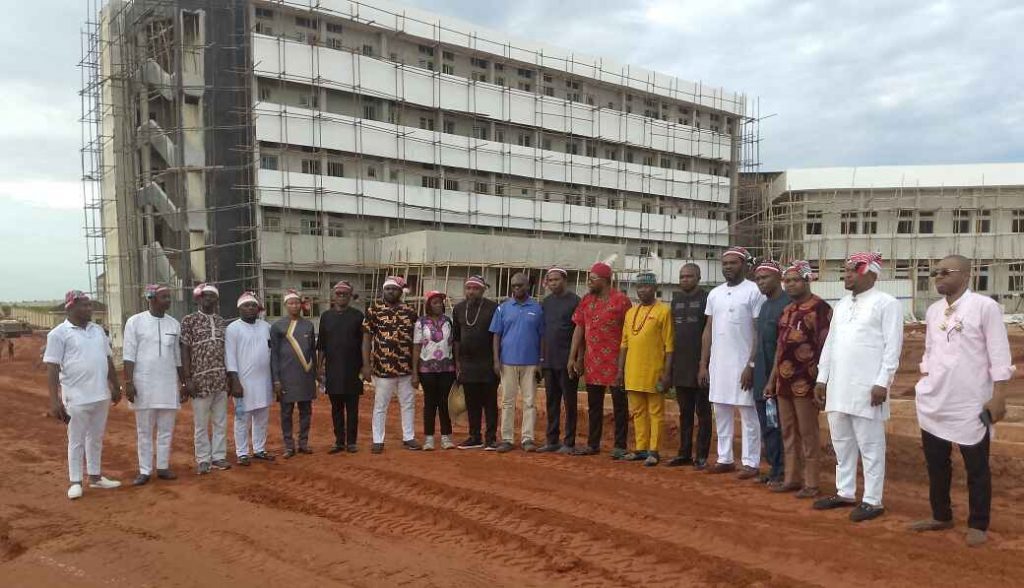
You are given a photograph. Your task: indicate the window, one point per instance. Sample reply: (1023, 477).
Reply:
(311, 166)
(902, 270)
(309, 101)
(923, 278)
(264, 13)
(447, 56)
(307, 23)
(500, 81)
(572, 96)
(335, 43)
(870, 225)
(905, 222)
(610, 154)
(449, 127)
(572, 85)
(263, 28)
(265, 94)
(371, 172)
(629, 157)
(645, 208)
(335, 228)
(424, 50)
(666, 163)
(547, 78)
(479, 76)
(499, 67)
(393, 175)
(273, 305)
(983, 221)
(813, 226)
(481, 188)
(309, 225)
(590, 150)
(477, 62)
(499, 136)
(645, 251)
(681, 165)
(426, 123)
(549, 91)
(370, 111)
(525, 139)
(981, 279)
(336, 169)
(574, 199)
(333, 27)
(480, 132)
(525, 73)
(499, 189)
(848, 223)
(310, 284)
(268, 162)
(572, 147)
(925, 222)
(272, 222)
(430, 182)
(1017, 225)
(425, 64)
(525, 87)
(614, 203)
(368, 50)
(1016, 278)
(591, 201)
(961, 221)
(447, 68)
(450, 184)
(648, 160)
(547, 196)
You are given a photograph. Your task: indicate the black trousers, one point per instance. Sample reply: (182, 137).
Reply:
(771, 441)
(482, 402)
(595, 415)
(694, 401)
(435, 401)
(940, 476)
(305, 415)
(345, 417)
(560, 388)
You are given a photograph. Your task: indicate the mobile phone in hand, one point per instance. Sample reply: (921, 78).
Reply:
(986, 417)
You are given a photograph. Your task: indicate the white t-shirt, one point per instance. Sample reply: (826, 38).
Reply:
(247, 353)
(152, 344)
(732, 310)
(82, 356)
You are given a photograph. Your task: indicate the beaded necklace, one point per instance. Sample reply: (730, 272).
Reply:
(633, 327)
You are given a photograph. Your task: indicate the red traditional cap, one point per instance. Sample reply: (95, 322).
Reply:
(601, 270)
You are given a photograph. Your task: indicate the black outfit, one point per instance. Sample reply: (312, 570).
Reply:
(475, 361)
(292, 349)
(688, 319)
(340, 342)
(768, 334)
(305, 413)
(436, 386)
(559, 387)
(940, 477)
(595, 406)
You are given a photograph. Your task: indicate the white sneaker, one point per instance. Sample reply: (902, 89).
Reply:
(105, 483)
(75, 491)
(446, 442)
(428, 443)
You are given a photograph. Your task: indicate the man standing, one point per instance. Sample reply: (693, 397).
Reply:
(645, 364)
(688, 321)
(962, 392)
(293, 368)
(768, 276)
(387, 360)
(803, 328)
(518, 327)
(858, 364)
(202, 358)
(152, 372)
(474, 362)
(341, 354)
(594, 354)
(83, 384)
(727, 361)
(247, 358)
(558, 308)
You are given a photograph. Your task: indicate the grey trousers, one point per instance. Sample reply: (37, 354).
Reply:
(305, 415)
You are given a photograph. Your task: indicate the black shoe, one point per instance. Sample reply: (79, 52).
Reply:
(377, 448)
(288, 453)
(834, 501)
(412, 445)
(504, 447)
(141, 480)
(353, 448)
(243, 460)
(166, 475)
(490, 446)
(306, 450)
(336, 449)
(635, 456)
(700, 464)
(471, 443)
(679, 461)
(263, 456)
(866, 512)
(549, 448)
(587, 450)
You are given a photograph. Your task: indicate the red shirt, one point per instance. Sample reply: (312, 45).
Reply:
(602, 321)
(802, 332)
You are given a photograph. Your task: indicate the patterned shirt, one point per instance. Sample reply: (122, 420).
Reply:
(602, 320)
(435, 343)
(203, 334)
(391, 331)
(803, 328)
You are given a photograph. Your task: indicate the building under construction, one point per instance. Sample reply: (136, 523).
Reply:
(267, 145)
(913, 215)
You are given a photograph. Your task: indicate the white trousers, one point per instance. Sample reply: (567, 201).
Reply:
(516, 380)
(85, 438)
(254, 421)
(212, 409)
(383, 390)
(853, 435)
(725, 416)
(160, 420)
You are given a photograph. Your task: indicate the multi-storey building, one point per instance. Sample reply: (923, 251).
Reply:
(372, 138)
(913, 215)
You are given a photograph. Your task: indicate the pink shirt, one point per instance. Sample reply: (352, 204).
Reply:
(966, 350)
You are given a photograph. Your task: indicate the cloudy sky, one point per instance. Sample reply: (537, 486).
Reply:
(848, 82)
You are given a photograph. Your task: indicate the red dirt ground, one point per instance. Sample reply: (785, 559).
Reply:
(457, 518)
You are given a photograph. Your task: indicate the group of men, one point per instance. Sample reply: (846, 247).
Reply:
(767, 348)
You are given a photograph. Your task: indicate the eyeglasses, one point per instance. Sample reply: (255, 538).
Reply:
(944, 272)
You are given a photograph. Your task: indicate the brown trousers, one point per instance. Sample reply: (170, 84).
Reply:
(799, 419)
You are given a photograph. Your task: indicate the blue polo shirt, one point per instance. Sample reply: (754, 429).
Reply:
(521, 327)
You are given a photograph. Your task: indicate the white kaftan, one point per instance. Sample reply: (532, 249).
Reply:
(732, 310)
(247, 353)
(152, 344)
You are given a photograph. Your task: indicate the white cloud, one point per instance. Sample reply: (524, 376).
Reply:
(43, 193)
